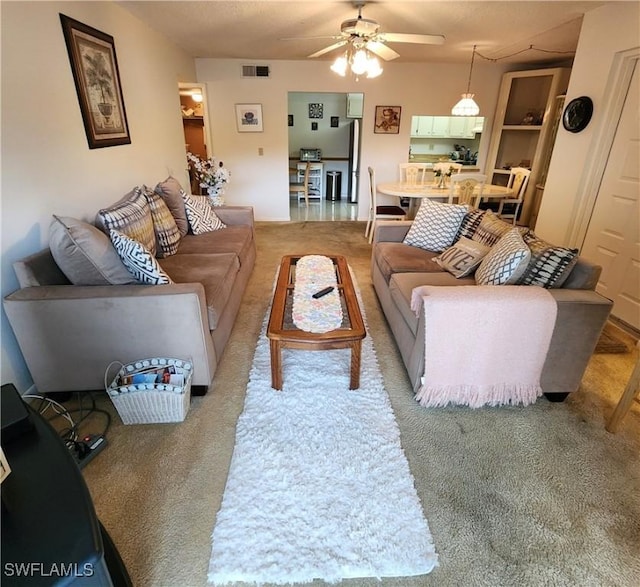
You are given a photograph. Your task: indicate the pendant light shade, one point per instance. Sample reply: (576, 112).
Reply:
(467, 106)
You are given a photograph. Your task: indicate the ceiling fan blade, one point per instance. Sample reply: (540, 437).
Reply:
(411, 38)
(381, 50)
(327, 49)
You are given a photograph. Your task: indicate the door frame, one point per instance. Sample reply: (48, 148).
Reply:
(184, 86)
(618, 84)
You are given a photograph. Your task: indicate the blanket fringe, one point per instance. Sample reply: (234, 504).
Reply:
(476, 396)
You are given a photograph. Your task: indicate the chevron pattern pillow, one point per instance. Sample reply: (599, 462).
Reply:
(138, 259)
(201, 215)
(490, 229)
(435, 226)
(164, 225)
(506, 261)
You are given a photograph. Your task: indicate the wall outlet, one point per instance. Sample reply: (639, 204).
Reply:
(260, 151)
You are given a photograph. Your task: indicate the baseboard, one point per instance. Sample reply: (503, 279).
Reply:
(622, 325)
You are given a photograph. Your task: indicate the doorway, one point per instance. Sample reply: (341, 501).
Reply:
(193, 105)
(324, 129)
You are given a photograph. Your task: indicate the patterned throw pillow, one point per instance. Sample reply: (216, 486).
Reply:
(490, 229)
(171, 192)
(435, 226)
(164, 225)
(131, 216)
(202, 217)
(138, 260)
(470, 223)
(462, 258)
(550, 265)
(505, 262)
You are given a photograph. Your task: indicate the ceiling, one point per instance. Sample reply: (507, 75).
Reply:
(258, 30)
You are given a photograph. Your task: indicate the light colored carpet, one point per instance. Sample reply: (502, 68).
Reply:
(532, 496)
(318, 487)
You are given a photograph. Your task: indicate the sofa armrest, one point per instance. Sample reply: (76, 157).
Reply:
(391, 231)
(69, 334)
(234, 215)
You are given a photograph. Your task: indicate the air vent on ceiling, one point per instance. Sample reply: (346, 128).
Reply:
(255, 71)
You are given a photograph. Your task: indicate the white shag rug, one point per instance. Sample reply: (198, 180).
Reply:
(318, 487)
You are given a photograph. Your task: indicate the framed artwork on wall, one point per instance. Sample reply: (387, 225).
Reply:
(290, 119)
(94, 66)
(314, 126)
(249, 117)
(335, 121)
(387, 120)
(315, 110)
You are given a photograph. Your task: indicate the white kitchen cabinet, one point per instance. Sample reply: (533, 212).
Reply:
(522, 129)
(355, 105)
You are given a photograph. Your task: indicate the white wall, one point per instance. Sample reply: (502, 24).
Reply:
(262, 181)
(605, 31)
(47, 166)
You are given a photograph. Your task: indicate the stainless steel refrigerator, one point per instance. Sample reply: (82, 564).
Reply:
(354, 160)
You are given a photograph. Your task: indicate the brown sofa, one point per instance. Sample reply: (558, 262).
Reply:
(68, 333)
(397, 268)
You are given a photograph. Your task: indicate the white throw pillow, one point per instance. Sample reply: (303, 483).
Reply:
(506, 261)
(463, 257)
(201, 215)
(138, 259)
(435, 226)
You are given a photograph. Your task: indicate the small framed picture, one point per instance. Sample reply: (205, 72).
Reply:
(335, 121)
(315, 110)
(387, 120)
(314, 126)
(249, 117)
(290, 119)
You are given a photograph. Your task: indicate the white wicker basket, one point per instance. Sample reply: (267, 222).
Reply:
(151, 401)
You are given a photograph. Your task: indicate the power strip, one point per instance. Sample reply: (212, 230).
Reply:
(86, 449)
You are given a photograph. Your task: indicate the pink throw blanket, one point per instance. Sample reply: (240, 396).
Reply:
(484, 345)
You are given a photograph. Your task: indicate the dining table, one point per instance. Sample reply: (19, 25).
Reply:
(428, 190)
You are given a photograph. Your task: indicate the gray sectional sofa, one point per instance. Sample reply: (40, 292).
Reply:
(78, 308)
(397, 268)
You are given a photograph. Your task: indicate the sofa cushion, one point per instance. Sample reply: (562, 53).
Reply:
(470, 223)
(462, 258)
(401, 285)
(435, 225)
(171, 192)
(138, 259)
(131, 216)
(236, 239)
(490, 229)
(506, 261)
(164, 225)
(550, 265)
(216, 272)
(201, 215)
(400, 258)
(85, 254)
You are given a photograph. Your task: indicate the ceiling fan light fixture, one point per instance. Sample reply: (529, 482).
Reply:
(467, 106)
(373, 68)
(360, 62)
(340, 65)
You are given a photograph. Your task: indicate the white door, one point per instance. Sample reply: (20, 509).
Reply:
(613, 236)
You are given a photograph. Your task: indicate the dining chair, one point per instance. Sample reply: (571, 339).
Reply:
(467, 188)
(301, 188)
(518, 180)
(413, 173)
(379, 212)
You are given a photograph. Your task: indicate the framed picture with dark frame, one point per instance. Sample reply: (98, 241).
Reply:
(314, 126)
(387, 120)
(290, 119)
(94, 66)
(335, 121)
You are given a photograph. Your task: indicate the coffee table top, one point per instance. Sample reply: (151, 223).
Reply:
(281, 326)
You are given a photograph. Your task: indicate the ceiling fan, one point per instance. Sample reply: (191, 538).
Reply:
(364, 33)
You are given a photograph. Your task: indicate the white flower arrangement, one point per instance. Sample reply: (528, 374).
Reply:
(210, 175)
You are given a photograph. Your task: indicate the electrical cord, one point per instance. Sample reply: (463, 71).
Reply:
(529, 48)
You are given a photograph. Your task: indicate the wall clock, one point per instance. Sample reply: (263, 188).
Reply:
(577, 114)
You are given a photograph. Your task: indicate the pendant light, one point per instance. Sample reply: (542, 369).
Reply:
(467, 106)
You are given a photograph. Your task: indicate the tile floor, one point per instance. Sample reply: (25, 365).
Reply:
(321, 209)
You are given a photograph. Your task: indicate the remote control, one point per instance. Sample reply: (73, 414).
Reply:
(322, 292)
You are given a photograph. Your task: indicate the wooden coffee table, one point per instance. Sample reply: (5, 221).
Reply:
(283, 333)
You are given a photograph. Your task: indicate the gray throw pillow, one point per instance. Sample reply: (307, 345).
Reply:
(85, 254)
(172, 193)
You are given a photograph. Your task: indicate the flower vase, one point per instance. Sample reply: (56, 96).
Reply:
(442, 182)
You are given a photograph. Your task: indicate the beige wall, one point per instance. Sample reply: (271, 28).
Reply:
(47, 166)
(605, 32)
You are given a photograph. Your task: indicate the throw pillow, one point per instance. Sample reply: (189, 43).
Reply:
(132, 216)
(171, 192)
(550, 265)
(435, 226)
(505, 262)
(202, 217)
(490, 229)
(470, 223)
(462, 258)
(164, 225)
(85, 254)
(138, 259)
